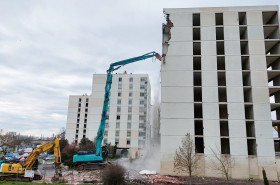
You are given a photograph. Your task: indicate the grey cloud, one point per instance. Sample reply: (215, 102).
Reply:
(50, 49)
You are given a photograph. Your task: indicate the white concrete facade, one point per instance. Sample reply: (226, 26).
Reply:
(128, 123)
(220, 70)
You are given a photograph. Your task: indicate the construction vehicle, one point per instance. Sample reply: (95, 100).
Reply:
(91, 161)
(27, 170)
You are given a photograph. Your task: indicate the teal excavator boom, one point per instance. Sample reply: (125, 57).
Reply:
(98, 156)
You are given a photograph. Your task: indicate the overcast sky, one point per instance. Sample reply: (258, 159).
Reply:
(49, 50)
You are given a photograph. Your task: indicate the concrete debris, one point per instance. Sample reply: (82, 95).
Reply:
(147, 172)
(75, 177)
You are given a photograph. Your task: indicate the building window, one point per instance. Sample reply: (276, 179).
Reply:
(142, 86)
(116, 141)
(129, 109)
(128, 125)
(120, 79)
(129, 102)
(87, 100)
(80, 99)
(119, 94)
(131, 79)
(129, 117)
(77, 126)
(141, 125)
(119, 101)
(142, 118)
(128, 133)
(85, 121)
(107, 117)
(78, 120)
(84, 131)
(142, 109)
(105, 141)
(120, 86)
(142, 134)
(130, 94)
(106, 125)
(130, 86)
(86, 104)
(118, 117)
(143, 79)
(85, 115)
(128, 142)
(79, 104)
(117, 133)
(86, 110)
(77, 131)
(118, 109)
(117, 125)
(142, 94)
(78, 115)
(106, 133)
(79, 110)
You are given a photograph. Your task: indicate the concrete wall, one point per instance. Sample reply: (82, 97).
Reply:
(179, 76)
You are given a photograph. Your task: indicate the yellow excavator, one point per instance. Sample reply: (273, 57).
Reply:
(27, 170)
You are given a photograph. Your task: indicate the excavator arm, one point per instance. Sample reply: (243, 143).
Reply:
(34, 155)
(114, 66)
(13, 171)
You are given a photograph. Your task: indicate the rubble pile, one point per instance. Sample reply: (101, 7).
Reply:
(150, 177)
(82, 176)
(76, 177)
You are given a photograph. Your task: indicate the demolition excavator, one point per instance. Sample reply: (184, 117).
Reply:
(27, 170)
(92, 161)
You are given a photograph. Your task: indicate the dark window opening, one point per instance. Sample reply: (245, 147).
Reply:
(219, 33)
(243, 33)
(270, 18)
(249, 114)
(245, 63)
(221, 63)
(223, 111)
(222, 94)
(196, 19)
(224, 128)
(252, 147)
(197, 78)
(219, 19)
(199, 146)
(242, 18)
(225, 149)
(196, 63)
(196, 48)
(250, 129)
(220, 48)
(196, 33)
(244, 48)
(197, 110)
(246, 78)
(198, 94)
(221, 79)
(198, 126)
(247, 94)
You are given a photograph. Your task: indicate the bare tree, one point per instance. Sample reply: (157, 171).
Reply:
(222, 163)
(185, 159)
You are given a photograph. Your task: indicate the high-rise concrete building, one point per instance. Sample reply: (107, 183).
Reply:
(221, 84)
(127, 124)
